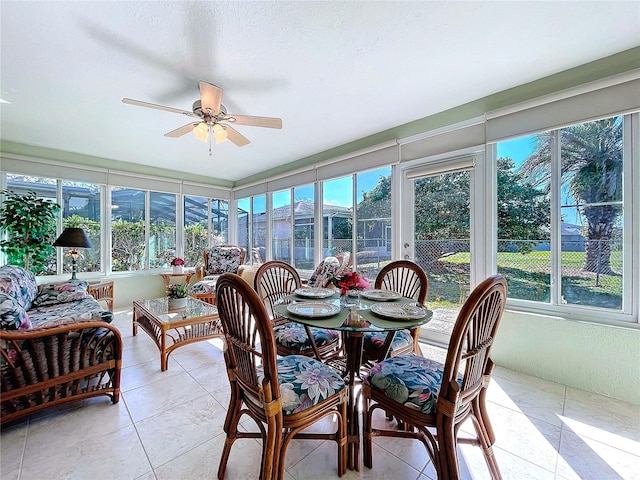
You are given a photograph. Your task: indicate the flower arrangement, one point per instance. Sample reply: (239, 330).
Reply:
(350, 281)
(178, 290)
(176, 262)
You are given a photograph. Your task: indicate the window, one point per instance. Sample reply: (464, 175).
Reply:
(373, 219)
(196, 230)
(303, 227)
(337, 216)
(244, 210)
(561, 209)
(128, 229)
(162, 229)
(281, 226)
(258, 229)
(44, 188)
(81, 203)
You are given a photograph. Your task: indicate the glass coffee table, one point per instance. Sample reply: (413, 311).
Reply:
(171, 329)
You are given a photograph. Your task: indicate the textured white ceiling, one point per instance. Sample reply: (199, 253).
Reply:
(333, 71)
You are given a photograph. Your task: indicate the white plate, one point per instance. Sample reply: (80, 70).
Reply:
(403, 311)
(313, 310)
(314, 292)
(380, 295)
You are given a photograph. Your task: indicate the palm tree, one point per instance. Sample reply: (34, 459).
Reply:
(591, 155)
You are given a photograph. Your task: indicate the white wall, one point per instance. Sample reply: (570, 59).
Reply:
(593, 357)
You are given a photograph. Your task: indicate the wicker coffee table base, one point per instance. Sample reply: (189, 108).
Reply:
(169, 335)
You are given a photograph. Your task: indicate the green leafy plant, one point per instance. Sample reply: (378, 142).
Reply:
(178, 290)
(30, 225)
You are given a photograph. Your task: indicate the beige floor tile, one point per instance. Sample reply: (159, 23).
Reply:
(175, 431)
(588, 459)
(90, 418)
(12, 445)
(603, 419)
(203, 461)
(544, 401)
(212, 377)
(321, 464)
(157, 397)
(142, 374)
(115, 455)
(202, 354)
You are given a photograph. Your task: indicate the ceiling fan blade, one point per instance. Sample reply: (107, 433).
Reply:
(157, 107)
(269, 122)
(236, 137)
(210, 97)
(178, 132)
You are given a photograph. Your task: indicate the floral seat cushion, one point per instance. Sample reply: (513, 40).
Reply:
(205, 286)
(304, 382)
(375, 340)
(294, 336)
(411, 380)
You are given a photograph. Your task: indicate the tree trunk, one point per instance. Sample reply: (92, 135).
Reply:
(598, 247)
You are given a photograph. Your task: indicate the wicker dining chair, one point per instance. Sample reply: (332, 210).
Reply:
(409, 280)
(422, 393)
(275, 280)
(283, 395)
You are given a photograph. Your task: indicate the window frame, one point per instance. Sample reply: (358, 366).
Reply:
(628, 315)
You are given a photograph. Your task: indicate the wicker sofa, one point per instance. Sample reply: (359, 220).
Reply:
(56, 345)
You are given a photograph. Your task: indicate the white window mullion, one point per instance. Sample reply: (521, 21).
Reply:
(147, 229)
(268, 227)
(631, 215)
(555, 242)
(106, 230)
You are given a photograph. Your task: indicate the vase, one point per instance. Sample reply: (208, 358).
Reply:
(177, 303)
(351, 298)
(178, 268)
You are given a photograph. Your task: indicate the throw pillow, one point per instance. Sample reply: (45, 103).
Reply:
(61, 292)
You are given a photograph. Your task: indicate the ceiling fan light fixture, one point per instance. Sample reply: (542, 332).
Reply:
(201, 132)
(219, 133)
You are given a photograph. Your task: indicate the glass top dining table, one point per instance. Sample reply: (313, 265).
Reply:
(353, 324)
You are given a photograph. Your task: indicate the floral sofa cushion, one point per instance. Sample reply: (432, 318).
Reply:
(223, 260)
(85, 309)
(24, 305)
(304, 382)
(61, 292)
(19, 284)
(12, 315)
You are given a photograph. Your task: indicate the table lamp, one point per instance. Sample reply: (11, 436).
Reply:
(73, 238)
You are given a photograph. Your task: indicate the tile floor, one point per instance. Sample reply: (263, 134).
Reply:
(168, 425)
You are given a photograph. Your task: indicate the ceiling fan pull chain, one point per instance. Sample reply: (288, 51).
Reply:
(210, 141)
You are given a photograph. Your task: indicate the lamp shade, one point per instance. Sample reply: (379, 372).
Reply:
(73, 237)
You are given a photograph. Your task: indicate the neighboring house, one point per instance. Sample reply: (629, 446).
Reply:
(572, 239)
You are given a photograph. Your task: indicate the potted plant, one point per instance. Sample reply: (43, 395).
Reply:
(177, 294)
(30, 225)
(177, 264)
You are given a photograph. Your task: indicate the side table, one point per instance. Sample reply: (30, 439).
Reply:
(102, 291)
(167, 277)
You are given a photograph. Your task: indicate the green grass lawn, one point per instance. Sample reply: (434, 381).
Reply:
(528, 277)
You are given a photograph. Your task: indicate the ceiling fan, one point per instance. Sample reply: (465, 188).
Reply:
(213, 118)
